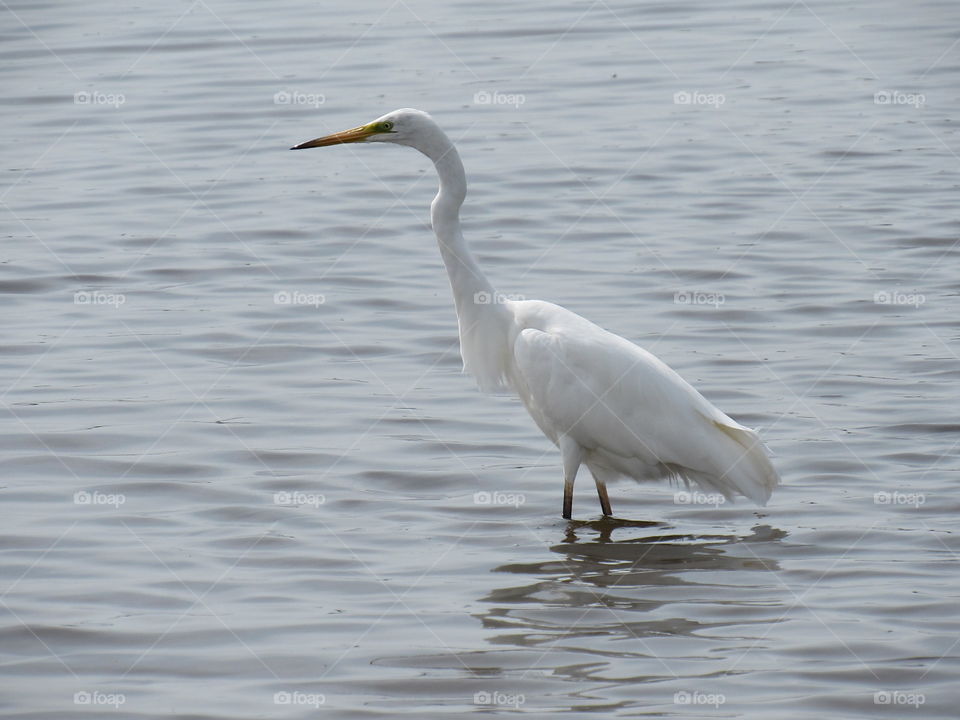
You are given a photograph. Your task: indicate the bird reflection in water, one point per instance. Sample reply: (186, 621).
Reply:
(651, 583)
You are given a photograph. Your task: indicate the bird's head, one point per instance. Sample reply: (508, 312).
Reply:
(403, 127)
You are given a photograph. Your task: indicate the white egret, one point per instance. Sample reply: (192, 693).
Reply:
(604, 401)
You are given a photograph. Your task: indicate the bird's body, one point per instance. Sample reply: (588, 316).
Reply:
(604, 401)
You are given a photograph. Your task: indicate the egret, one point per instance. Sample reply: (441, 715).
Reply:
(603, 401)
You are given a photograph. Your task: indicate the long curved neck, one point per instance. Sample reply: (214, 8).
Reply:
(470, 286)
(483, 319)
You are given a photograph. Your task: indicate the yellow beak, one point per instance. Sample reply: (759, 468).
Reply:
(357, 134)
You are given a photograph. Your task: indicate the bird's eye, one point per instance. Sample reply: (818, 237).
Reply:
(386, 125)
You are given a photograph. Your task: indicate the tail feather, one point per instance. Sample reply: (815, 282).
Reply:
(744, 465)
(739, 463)
(732, 461)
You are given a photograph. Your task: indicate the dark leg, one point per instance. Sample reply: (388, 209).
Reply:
(567, 500)
(570, 451)
(604, 498)
(600, 477)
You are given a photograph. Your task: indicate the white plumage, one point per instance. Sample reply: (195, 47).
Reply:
(604, 401)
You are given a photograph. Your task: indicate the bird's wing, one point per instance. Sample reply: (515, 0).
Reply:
(609, 394)
(601, 393)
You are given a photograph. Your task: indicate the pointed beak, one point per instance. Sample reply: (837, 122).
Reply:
(357, 134)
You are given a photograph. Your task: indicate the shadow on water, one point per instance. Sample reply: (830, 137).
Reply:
(635, 611)
(618, 578)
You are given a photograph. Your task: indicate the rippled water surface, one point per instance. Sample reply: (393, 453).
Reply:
(240, 462)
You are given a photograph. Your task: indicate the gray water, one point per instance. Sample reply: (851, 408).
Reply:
(240, 464)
